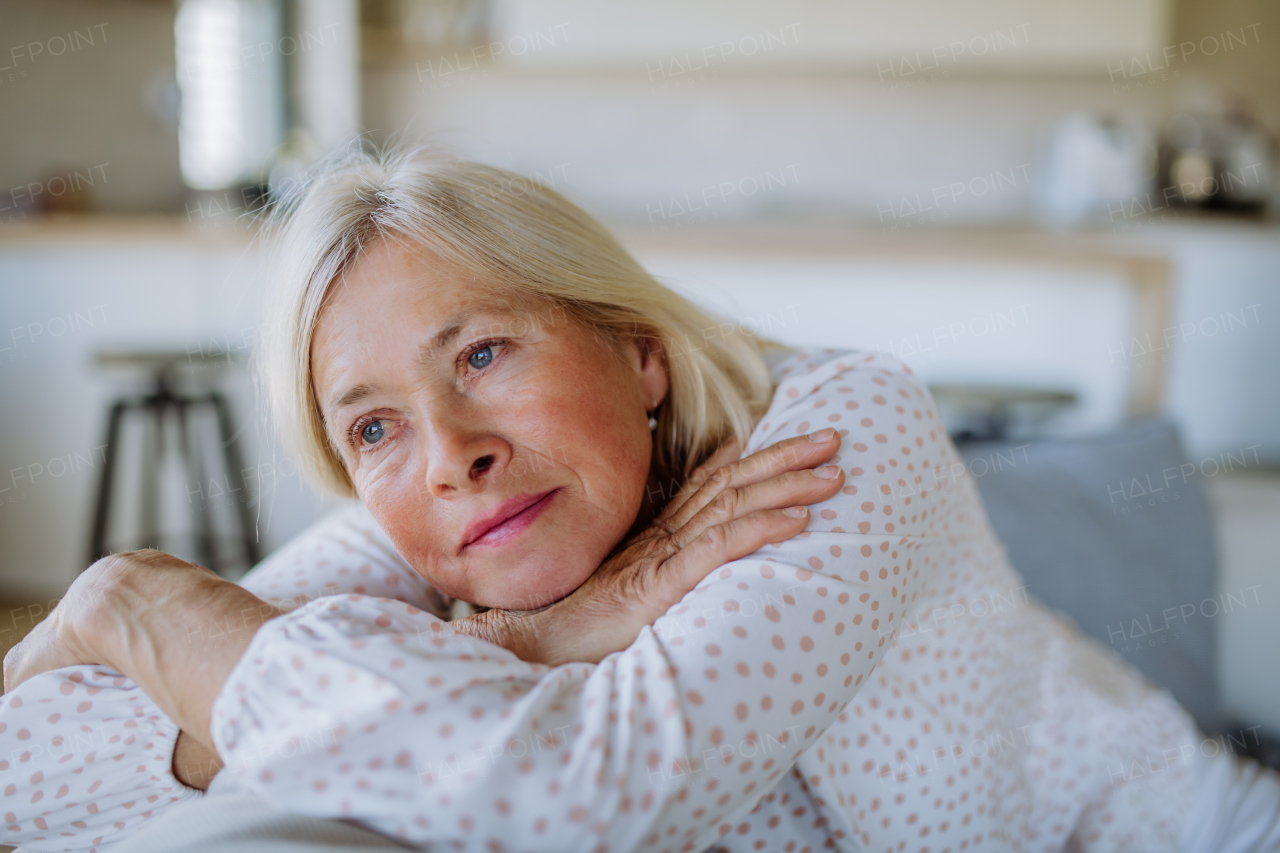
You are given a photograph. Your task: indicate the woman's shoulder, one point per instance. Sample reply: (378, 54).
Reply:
(801, 373)
(894, 443)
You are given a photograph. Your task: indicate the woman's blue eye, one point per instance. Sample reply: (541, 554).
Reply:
(373, 432)
(481, 358)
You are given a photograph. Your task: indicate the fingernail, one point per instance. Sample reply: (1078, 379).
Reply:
(822, 436)
(797, 511)
(827, 472)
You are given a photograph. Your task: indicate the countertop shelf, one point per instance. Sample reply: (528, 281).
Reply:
(776, 235)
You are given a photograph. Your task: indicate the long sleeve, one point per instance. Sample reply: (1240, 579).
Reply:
(989, 724)
(88, 756)
(372, 710)
(87, 759)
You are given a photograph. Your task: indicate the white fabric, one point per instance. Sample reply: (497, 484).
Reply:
(1237, 803)
(890, 649)
(230, 819)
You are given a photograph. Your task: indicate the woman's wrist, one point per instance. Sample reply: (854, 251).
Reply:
(551, 636)
(517, 632)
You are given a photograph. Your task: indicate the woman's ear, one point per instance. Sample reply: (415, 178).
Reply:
(654, 379)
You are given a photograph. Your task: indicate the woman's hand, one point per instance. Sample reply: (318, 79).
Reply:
(173, 628)
(729, 509)
(52, 644)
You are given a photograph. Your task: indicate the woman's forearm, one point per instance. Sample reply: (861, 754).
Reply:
(177, 633)
(182, 674)
(345, 553)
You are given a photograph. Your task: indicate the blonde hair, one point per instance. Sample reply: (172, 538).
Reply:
(518, 235)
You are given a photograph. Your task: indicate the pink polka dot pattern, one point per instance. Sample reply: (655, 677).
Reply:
(76, 780)
(990, 724)
(842, 690)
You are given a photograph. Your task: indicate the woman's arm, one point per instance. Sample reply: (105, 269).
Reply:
(359, 709)
(107, 757)
(91, 755)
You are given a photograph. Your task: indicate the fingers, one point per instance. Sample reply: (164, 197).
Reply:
(12, 663)
(723, 543)
(24, 660)
(39, 651)
(726, 454)
(20, 659)
(791, 489)
(794, 454)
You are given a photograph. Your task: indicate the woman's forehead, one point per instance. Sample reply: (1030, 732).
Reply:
(401, 305)
(392, 277)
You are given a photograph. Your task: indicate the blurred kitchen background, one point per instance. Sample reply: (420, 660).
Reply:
(1061, 214)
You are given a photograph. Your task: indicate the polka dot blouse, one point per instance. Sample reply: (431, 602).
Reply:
(879, 682)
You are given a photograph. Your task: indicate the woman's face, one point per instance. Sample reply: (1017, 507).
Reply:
(502, 446)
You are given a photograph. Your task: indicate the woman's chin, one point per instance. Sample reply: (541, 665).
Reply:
(533, 582)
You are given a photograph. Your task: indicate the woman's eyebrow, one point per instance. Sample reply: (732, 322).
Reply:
(442, 338)
(351, 396)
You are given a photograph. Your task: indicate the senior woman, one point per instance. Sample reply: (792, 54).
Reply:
(511, 396)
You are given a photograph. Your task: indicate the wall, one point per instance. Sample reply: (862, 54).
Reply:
(834, 145)
(65, 296)
(1222, 342)
(95, 109)
(859, 34)
(858, 137)
(867, 137)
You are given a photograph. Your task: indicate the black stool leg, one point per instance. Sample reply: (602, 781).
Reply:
(235, 476)
(151, 472)
(202, 516)
(102, 511)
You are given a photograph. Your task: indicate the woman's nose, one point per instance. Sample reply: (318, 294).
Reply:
(461, 460)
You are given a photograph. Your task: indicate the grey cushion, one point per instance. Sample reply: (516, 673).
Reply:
(1117, 533)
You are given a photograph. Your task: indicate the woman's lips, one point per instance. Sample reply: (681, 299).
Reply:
(508, 520)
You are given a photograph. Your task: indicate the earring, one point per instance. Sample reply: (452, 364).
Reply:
(653, 422)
